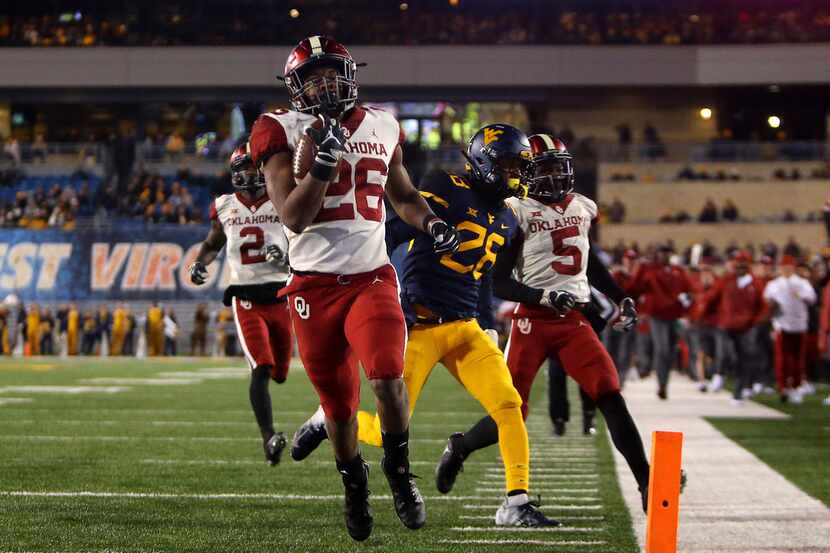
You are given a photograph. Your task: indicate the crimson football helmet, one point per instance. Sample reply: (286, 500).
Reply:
(244, 176)
(551, 175)
(321, 94)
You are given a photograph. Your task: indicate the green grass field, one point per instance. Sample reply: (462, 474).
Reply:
(173, 463)
(798, 448)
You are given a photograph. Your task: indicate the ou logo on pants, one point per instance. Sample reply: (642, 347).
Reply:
(301, 307)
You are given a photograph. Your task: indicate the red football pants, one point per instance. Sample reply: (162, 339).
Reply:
(572, 340)
(264, 332)
(340, 321)
(790, 358)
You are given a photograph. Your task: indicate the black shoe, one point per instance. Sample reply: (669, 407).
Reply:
(588, 428)
(527, 515)
(662, 394)
(558, 427)
(309, 436)
(644, 490)
(273, 448)
(409, 505)
(450, 464)
(358, 514)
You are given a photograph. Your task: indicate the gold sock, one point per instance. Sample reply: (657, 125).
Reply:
(368, 428)
(514, 446)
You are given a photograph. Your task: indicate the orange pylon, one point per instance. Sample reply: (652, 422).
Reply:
(664, 492)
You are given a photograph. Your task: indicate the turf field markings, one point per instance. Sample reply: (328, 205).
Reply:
(326, 464)
(15, 401)
(558, 543)
(550, 495)
(567, 518)
(224, 496)
(522, 529)
(548, 477)
(216, 375)
(64, 390)
(105, 422)
(546, 470)
(16, 437)
(586, 493)
(142, 381)
(554, 508)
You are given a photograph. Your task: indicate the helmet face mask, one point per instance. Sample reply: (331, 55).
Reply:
(244, 176)
(498, 157)
(551, 178)
(320, 75)
(551, 174)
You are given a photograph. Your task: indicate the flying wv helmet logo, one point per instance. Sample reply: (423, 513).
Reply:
(491, 134)
(525, 326)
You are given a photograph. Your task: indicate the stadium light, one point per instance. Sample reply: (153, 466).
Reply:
(706, 113)
(294, 13)
(454, 3)
(404, 6)
(774, 121)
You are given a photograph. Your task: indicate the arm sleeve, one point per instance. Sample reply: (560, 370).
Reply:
(267, 139)
(601, 279)
(435, 188)
(504, 285)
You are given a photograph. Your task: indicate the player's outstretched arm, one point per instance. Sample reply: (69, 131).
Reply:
(414, 210)
(209, 249)
(508, 288)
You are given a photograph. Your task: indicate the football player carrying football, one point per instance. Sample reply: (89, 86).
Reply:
(553, 264)
(343, 294)
(441, 297)
(246, 224)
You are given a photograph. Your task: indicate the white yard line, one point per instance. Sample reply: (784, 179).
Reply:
(522, 529)
(746, 505)
(557, 543)
(493, 507)
(567, 518)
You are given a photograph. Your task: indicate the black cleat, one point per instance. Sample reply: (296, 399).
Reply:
(309, 436)
(450, 464)
(662, 393)
(274, 447)
(644, 490)
(558, 427)
(409, 505)
(588, 428)
(357, 512)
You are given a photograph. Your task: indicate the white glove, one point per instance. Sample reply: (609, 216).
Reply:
(685, 300)
(493, 334)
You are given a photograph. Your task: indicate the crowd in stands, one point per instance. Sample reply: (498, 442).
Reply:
(435, 22)
(57, 207)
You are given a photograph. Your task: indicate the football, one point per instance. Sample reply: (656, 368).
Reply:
(304, 154)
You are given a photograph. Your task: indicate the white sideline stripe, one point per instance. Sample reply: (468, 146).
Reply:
(241, 337)
(64, 389)
(560, 518)
(522, 529)
(142, 381)
(163, 495)
(552, 507)
(15, 400)
(557, 543)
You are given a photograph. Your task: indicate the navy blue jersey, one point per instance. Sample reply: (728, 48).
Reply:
(446, 287)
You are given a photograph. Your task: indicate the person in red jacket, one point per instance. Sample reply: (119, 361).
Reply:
(824, 325)
(703, 328)
(669, 293)
(739, 300)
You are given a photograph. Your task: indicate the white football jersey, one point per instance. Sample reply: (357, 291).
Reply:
(554, 254)
(249, 228)
(348, 236)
